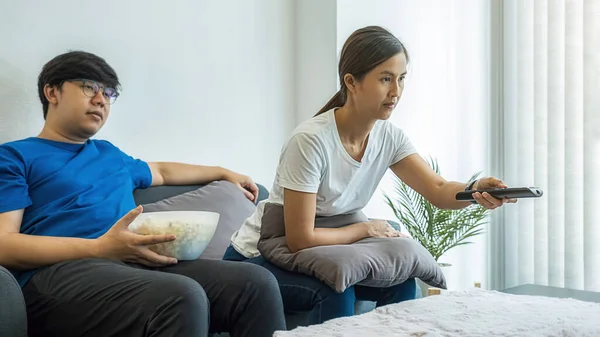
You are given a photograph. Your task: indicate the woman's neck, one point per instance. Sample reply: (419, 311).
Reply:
(353, 127)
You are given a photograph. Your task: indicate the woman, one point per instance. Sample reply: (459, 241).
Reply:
(333, 163)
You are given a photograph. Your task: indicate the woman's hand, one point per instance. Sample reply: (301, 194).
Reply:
(487, 200)
(382, 229)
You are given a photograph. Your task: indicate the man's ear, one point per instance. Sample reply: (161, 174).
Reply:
(51, 93)
(350, 82)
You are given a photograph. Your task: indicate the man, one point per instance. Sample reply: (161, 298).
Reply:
(65, 204)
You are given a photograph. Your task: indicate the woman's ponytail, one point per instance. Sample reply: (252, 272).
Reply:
(337, 101)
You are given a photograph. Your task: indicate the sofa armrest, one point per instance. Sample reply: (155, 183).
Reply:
(13, 313)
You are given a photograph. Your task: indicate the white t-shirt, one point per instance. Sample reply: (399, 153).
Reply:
(314, 160)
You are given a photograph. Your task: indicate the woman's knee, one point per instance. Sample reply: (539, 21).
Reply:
(302, 292)
(410, 287)
(404, 291)
(341, 302)
(333, 305)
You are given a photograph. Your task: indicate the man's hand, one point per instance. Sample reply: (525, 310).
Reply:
(244, 183)
(119, 243)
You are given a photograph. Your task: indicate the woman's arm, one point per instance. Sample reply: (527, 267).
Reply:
(299, 215)
(419, 176)
(415, 172)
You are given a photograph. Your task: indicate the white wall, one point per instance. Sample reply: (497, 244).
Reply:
(315, 55)
(207, 82)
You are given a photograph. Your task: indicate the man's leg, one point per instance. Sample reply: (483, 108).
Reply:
(244, 298)
(103, 298)
(384, 296)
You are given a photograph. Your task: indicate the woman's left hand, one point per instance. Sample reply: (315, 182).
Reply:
(487, 200)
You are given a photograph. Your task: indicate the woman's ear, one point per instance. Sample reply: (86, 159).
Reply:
(51, 92)
(350, 82)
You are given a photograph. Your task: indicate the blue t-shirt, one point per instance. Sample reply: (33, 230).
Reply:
(68, 190)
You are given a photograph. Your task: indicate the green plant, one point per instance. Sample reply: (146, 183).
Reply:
(438, 230)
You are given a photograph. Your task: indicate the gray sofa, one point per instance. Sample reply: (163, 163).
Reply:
(13, 322)
(13, 318)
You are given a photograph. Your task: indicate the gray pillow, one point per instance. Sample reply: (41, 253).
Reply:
(221, 197)
(374, 262)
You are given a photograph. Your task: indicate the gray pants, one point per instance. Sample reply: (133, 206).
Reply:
(105, 298)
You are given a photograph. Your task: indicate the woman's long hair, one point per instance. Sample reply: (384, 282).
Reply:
(364, 50)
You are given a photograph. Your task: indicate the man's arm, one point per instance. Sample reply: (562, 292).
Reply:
(165, 173)
(21, 251)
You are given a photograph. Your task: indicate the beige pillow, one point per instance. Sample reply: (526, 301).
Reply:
(374, 262)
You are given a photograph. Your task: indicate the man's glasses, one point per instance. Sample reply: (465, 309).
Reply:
(91, 88)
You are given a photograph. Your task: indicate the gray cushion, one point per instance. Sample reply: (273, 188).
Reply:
(221, 197)
(375, 262)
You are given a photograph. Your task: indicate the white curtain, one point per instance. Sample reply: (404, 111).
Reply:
(549, 114)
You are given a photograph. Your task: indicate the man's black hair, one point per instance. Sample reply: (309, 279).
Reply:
(73, 65)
